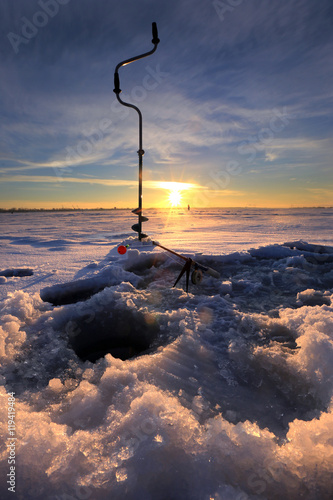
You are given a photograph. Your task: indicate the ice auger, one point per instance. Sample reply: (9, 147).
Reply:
(138, 211)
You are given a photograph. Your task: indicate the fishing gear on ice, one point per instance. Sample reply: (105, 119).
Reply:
(197, 273)
(77, 290)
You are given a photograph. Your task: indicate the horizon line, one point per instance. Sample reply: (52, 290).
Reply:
(73, 209)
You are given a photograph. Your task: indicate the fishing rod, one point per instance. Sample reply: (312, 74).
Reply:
(197, 275)
(138, 211)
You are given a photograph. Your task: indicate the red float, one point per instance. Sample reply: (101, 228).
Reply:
(122, 249)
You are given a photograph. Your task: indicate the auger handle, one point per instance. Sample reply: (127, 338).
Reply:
(116, 89)
(155, 39)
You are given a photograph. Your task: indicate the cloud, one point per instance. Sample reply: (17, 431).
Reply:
(149, 184)
(321, 191)
(222, 80)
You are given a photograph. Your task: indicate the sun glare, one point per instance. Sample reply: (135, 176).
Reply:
(175, 192)
(175, 198)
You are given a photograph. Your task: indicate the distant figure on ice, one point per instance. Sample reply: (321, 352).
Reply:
(188, 207)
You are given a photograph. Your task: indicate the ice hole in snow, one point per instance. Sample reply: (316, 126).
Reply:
(122, 331)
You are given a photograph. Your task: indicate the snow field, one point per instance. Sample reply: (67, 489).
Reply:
(222, 393)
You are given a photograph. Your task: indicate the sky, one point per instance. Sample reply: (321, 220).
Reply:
(237, 103)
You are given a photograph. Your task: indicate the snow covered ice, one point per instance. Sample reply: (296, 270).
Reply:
(144, 392)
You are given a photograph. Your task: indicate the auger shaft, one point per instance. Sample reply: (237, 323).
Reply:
(138, 211)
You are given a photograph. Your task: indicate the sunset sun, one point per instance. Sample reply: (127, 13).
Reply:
(175, 198)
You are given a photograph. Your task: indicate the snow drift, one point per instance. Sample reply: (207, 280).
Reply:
(222, 393)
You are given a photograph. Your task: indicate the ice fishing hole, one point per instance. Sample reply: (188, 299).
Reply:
(121, 331)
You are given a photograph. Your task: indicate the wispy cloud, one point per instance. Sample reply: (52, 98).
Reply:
(149, 184)
(221, 82)
(321, 191)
